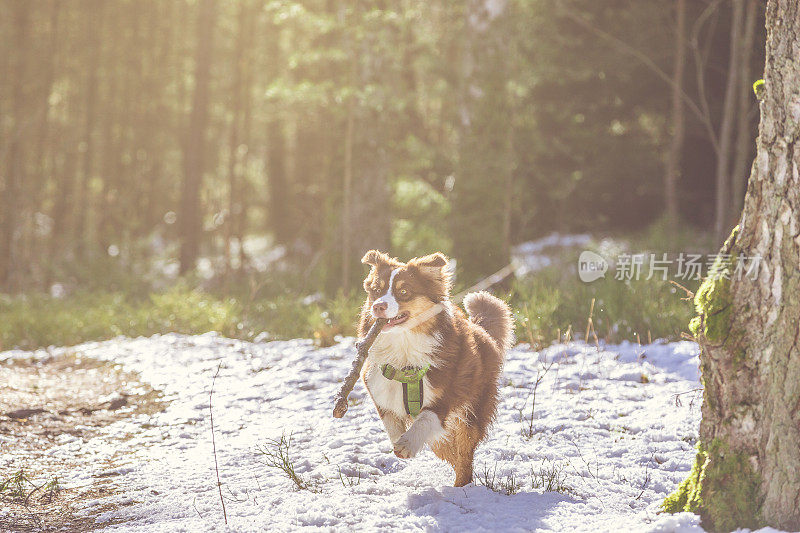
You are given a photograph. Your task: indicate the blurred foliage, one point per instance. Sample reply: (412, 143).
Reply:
(420, 213)
(464, 126)
(332, 128)
(544, 303)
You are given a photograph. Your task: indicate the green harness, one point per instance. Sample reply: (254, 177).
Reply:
(411, 378)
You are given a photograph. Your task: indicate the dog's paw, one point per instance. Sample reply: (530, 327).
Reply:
(404, 448)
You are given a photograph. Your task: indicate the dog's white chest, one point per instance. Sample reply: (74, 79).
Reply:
(399, 349)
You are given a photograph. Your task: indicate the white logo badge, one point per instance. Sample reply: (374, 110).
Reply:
(591, 266)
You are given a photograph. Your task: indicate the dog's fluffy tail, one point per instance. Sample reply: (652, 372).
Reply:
(493, 315)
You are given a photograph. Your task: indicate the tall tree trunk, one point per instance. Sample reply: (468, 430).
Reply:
(34, 247)
(723, 174)
(190, 216)
(112, 141)
(153, 102)
(347, 181)
(241, 202)
(15, 165)
(237, 89)
(63, 196)
(347, 193)
(279, 201)
(277, 184)
(673, 164)
(744, 139)
(746, 473)
(368, 221)
(508, 186)
(485, 119)
(146, 99)
(94, 43)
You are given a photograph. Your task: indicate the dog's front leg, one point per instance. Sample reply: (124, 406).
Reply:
(426, 428)
(393, 424)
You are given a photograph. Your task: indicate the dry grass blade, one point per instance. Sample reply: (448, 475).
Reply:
(541, 372)
(590, 326)
(275, 454)
(508, 485)
(550, 479)
(214, 444)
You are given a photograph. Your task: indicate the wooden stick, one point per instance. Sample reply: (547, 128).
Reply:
(362, 348)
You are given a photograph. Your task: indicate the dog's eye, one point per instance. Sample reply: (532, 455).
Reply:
(403, 292)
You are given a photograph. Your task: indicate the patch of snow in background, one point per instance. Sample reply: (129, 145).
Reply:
(529, 257)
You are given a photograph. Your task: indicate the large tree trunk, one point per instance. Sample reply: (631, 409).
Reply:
(747, 468)
(673, 163)
(191, 220)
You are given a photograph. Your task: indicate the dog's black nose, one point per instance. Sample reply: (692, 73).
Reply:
(379, 309)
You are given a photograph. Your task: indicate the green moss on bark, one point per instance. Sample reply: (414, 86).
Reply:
(713, 305)
(687, 497)
(696, 326)
(730, 490)
(721, 487)
(713, 299)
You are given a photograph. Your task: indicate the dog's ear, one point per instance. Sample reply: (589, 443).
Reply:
(436, 268)
(375, 258)
(431, 264)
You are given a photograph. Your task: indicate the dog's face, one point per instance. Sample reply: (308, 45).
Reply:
(405, 293)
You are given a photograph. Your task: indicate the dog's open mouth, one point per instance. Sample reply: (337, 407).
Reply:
(399, 319)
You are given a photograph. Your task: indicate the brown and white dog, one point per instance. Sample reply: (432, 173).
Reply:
(465, 355)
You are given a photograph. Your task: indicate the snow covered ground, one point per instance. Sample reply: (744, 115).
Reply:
(605, 420)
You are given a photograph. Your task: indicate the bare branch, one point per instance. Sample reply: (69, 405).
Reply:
(649, 63)
(700, 66)
(362, 347)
